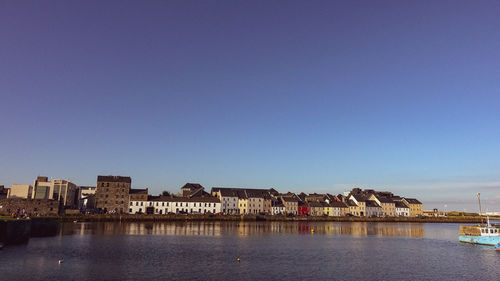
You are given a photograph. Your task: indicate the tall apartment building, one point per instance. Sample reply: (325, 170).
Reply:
(63, 191)
(112, 194)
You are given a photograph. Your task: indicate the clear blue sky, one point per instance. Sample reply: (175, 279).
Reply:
(313, 96)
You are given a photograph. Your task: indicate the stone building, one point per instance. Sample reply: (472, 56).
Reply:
(138, 194)
(193, 190)
(3, 192)
(112, 194)
(32, 207)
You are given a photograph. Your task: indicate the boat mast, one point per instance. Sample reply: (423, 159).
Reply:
(480, 211)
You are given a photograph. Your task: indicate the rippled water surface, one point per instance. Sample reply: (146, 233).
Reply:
(267, 251)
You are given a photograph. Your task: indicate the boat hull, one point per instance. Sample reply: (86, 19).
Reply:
(483, 240)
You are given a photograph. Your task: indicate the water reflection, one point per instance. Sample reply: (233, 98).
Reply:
(245, 228)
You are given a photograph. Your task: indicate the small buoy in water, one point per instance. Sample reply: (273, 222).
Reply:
(238, 259)
(312, 230)
(61, 261)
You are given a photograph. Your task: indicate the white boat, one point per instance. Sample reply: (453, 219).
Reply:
(484, 234)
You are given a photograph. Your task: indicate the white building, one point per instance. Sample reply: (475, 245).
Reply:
(373, 209)
(86, 197)
(402, 210)
(338, 208)
(165, 205)
(277, 209)
(228, 199)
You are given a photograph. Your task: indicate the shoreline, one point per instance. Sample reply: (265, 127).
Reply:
(211, 218)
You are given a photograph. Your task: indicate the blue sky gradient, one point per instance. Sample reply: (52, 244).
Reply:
(314, 96)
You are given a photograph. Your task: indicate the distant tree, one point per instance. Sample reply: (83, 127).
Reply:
(165, 193)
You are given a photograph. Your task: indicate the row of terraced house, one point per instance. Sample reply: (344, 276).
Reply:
(113, 194)
(248, 201)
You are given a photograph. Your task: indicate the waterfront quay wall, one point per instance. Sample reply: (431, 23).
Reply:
(18, 231)
(15, 231)
(173, 217)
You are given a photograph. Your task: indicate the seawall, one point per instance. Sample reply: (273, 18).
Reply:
(13, 231)
(134, 218)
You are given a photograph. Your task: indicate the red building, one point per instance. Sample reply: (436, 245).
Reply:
(303, 209)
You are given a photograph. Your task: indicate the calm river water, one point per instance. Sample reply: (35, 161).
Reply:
(267, 251)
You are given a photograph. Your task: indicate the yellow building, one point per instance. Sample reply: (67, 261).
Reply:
(328, 209)
(416, 209)
(243, 205)
(359, 209)
(291, 205)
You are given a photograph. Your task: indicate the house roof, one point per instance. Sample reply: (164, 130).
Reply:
(277, 204)
(400, 204)
(338, 204)
(192, 186)
(412, 201)
(114, 179)
(315, 204)
(243, 193)
(290, 199)
(384, 200)
(372, 204)
(359, 197)
(351, 203)
(138, 191)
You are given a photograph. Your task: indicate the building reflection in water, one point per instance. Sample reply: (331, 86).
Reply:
(245, 228)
